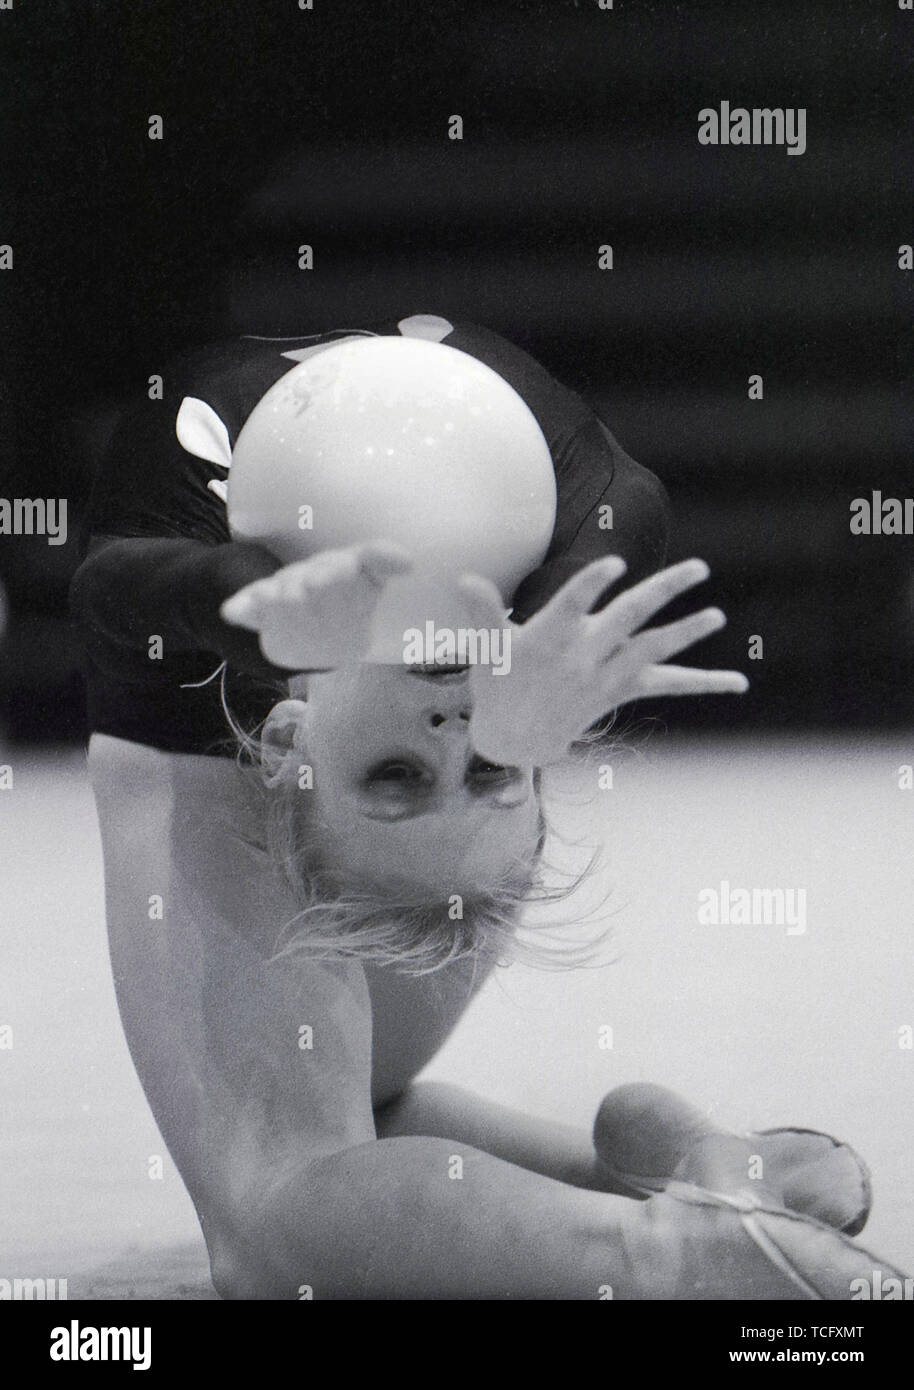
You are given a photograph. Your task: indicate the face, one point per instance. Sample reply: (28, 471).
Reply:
(398, 791)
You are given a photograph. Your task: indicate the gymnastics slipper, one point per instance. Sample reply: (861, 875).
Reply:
(647, 1137)
(695, 1244)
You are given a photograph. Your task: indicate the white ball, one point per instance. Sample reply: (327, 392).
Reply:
(397, 439)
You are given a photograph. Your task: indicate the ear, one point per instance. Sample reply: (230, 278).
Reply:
(283, 741)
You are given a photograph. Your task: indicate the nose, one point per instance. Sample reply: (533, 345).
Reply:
(449, 706)
(454, 718)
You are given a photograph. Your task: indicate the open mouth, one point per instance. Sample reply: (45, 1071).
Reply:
(492, 773)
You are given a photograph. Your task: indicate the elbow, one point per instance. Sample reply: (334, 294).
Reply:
(650, 501)
(641, 512)
(640, 526)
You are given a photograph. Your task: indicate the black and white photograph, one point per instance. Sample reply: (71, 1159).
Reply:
(456, 663)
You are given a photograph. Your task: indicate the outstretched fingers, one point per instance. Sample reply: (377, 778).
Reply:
(379, 561)
(631, 610)
(248, 607)
(689, 680)
(660, 643)
(576, 597)
(373, 561)
(485, 608)
(244, 608)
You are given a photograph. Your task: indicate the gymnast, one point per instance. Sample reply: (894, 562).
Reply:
(316, 852)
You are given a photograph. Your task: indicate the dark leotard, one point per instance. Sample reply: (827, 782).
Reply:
(160, 560)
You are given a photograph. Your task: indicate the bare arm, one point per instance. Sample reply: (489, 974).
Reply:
(440, 1109)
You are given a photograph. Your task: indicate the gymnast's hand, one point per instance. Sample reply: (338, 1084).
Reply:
(317, 613)
(570, 667)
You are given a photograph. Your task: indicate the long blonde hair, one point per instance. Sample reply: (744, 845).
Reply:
(404, 928)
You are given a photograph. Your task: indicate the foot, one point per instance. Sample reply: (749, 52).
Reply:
(687, 1243)
(646, 1137)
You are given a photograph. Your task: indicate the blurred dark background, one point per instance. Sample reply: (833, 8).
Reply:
(329, 126)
